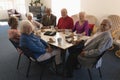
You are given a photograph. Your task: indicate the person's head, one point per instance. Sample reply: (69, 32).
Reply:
(26, 27)
(48, 11)
(82, 16)
(13, 22)
(41, 4)
(64, 12)
(29, 16)
(105, 25)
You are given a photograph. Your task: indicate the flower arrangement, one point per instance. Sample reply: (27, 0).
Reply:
(34, 2)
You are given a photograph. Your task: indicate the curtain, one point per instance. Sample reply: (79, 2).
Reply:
(19, 5)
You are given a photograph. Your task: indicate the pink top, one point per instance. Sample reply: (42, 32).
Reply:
(14, 34)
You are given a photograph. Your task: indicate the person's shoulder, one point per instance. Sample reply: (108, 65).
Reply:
(86, 21)
(61, 18)
(69, 18)
(53, 15)
(77, 22)
(106, 34)
(13, 31)
(44, 16)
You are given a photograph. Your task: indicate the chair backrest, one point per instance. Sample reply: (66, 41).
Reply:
(75, 18)
(115, 19)
(91, 19)
(15, 44)
(28, 53)
(25, 51)
(99, 61)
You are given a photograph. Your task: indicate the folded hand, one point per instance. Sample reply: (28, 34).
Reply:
(82, 53)
(49, 50)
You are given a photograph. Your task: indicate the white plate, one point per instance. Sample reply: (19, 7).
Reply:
(118, 41)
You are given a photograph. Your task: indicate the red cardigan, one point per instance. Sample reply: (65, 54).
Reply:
(65, 23)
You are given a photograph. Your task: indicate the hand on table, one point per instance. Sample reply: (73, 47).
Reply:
(76, 42)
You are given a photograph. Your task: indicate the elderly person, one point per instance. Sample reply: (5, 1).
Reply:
(65, 22)
(49, 19)
(13, 33)
(82, 26)
(41, 50)
(90, 49)
(35, 23)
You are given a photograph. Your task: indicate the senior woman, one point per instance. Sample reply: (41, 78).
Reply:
(82, 26)
(42, 51)
(13, 33)
(35, 23)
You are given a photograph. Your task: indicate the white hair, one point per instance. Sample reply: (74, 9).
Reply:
(82, 12)
(26, 27)
(30, 14)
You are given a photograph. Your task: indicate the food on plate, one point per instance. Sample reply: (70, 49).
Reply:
(51, 40)
(111, 48)
(117, 53)
(69, 40)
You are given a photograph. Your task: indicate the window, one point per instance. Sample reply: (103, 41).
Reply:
(6, 4)
(72, 6)
(19, 5)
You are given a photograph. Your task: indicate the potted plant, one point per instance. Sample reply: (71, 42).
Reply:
(31, 3)
(36, 2)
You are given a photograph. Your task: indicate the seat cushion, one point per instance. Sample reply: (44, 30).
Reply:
(91, 26)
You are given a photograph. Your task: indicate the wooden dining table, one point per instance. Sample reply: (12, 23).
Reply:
(64, 44)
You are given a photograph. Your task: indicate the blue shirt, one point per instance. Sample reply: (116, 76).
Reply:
(34, 43)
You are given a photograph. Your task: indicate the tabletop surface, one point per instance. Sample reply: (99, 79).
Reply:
(64, 44)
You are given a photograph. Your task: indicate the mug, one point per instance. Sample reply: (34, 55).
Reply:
(52, 27)
(78, 36)
(59, 40)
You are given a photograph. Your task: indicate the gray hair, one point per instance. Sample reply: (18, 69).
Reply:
(108, 21)
(64, 10)
(29, 14)
(26, 27)
(82, 13)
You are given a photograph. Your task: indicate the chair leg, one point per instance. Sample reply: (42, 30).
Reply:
(100, 72)
(55, 66)
(28, 70)
(18, 61)
(90, 74)
(42, 72)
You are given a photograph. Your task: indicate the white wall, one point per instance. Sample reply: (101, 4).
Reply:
(101, 8)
